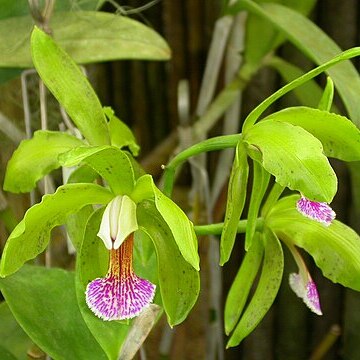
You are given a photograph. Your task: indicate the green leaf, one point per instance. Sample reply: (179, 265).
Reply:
(235, 202)
(120, 134)
(294, 157)
(44, 303)
(314, 43)
(335, 249)
(32, 234)
(260, 183)
(179, 224)
(29, 163)
(327, 96)
(12, 336)
(70, 87)
(6, 355)
(340, 138)
(108, 161)
(265, 293)
(87, 36)
(179, 281)
(241, 286)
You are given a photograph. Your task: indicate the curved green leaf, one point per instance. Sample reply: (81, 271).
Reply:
(32, 234)
(30, 161)
(235, 202)
(88, 36)
(266, 291)
(241, 286)
(179, 281)
(108, 161)
(120, 134)
(43, 301)
(294, 157)
(339, 136)
(179, 224)
(335, 249)
(327, 97)
(70, 87)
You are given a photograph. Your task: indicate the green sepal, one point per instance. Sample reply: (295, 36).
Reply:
(327, 97)
(260, 183)
(70, 87)
(179, 281)
(179, 224)
(340, 138)
(120, 134)
(294, 157)
(35, 158)
(335, 249)
(108, 161)
(235, 202)
(32, 234)
(241, 286)
(266, 291)
(44, 303)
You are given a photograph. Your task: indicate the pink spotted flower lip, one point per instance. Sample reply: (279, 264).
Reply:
(121, 294)
(318, 211)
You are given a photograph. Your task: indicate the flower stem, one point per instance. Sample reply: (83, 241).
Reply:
(273, 196)
(212, 144)
(216, 229)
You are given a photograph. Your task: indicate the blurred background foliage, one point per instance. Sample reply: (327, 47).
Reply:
(144, 94)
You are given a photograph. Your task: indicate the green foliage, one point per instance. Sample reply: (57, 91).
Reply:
(235, 202)
(30, 162)
(266, 290)
(179, 281)
(48, 312)
(34, 230)
(340, 138)
(71, 88)
(294, 157)
(335, 249)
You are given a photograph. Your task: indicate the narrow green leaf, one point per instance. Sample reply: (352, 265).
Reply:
(12, 336)
(260, 183)
(327, 96)
(32, 234)
(87, 36)
(108, 161)
(241, 286)
(70, 87)
(92, 262)
(179, 224)
(235, 202)
(335, 249)
(294, 157)
(44, 303)
(120, 134)
(340, 138)
(179, 281)
(29, 163)
(265, 293)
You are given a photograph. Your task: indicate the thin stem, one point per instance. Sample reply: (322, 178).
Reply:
(216, 229)
(213, 144)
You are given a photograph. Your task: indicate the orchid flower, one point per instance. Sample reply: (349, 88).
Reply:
(318, 211)
(303, 285)
(121, 294)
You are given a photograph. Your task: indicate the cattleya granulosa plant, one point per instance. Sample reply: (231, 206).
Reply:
(136, 246)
